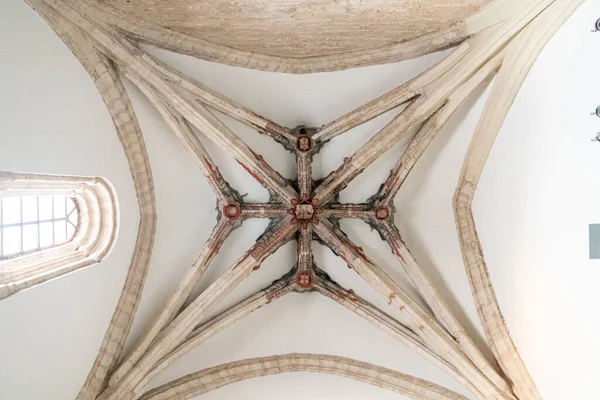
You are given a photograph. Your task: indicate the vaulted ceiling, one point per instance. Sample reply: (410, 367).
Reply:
(51, 334)
(301, 28)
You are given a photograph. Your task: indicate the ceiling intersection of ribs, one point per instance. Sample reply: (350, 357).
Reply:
(305, 210)
(499, 40)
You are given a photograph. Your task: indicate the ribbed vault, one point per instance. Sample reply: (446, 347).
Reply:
(501, 39)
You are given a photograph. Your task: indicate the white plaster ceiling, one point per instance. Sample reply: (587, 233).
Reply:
(537, 195)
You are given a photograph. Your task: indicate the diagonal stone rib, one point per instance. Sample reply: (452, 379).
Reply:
(131, 59)
(439, 306)
(188, 138)
(521, 54)
(178, 298)
(434, 89)
(202, 333)
(370, 313)
(177, 330)
(502, 34)
(428, 329)
(221, 103)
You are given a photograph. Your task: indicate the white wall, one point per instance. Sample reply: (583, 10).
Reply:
(537, 196)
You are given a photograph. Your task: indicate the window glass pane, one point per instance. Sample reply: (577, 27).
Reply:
(60, 232)
(11, 210)
(29, 208)
(12, 240)
(30, 237)
(46, 232)
(59, 213)
(70, 204)
(45, 207)
(59, 207)
(70, 231)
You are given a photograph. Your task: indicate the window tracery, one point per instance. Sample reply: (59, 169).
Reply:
(51, 225)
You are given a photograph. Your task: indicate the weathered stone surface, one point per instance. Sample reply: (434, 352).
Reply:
(300, 28)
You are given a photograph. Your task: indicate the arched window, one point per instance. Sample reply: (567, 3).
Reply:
(52, 225)
(31, 223)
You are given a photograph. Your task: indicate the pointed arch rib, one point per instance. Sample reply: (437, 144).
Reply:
(421, 141)
(147, 32)
(108, 82)
(178, 298)
(433, 89)
(370, 313)
(220, 322)
(521, 54)
(131, 59)
(178, 330)
(169, 39)
(213, 378)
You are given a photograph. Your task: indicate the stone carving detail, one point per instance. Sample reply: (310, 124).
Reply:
(497, 38)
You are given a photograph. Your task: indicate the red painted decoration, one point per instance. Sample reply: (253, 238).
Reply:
(305, 279)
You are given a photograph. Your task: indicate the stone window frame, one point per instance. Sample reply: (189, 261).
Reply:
(94, 239)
